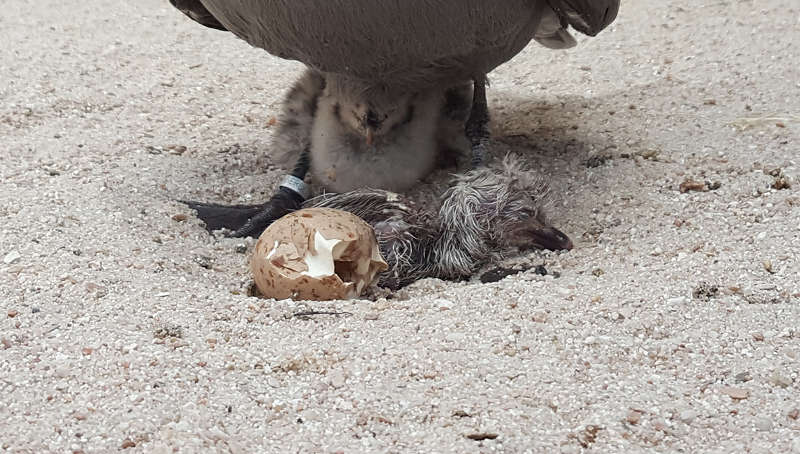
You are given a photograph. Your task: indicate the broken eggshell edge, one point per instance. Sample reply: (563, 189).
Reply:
(316, 254)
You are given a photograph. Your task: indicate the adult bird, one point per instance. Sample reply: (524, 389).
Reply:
(376, 58)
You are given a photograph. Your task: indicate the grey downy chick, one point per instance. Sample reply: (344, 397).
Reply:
(485, 215)
(333, 135)
(378, 139)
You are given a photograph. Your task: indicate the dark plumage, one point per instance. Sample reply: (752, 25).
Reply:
(485, 214)
(198, 13)
(400, 45)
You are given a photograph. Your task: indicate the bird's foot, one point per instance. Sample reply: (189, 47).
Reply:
(282, 203)
(250, 220)
(500, 273)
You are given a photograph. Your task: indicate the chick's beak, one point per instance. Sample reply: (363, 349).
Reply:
(370, 136)
(551, 239)
(537, 236)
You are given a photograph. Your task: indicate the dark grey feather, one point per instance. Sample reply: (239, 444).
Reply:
(408, 44)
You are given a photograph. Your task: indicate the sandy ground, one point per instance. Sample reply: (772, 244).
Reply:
(674, 325)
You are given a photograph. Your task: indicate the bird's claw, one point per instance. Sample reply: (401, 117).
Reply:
(247, 220)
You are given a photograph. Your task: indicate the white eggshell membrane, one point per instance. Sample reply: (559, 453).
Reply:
(320, 263)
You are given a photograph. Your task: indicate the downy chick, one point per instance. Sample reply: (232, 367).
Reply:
(358, 139)
(344, 149)
(485, 215)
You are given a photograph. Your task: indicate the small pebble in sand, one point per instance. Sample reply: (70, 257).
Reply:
(705, 291)
(11, 257)
(634, 417)
(735, 393)
(482, 436)
(337, 379)
(780, 380)
(678, 300)
(539, 317)
(443, 304)
(204, 261)
(692, 185)
(687, 416)
(743, 377)
(781, 183)
(597, 161)
(176, 149)
(763, 424)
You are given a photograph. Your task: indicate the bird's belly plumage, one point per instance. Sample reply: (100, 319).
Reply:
(398, 42)
(395, 169)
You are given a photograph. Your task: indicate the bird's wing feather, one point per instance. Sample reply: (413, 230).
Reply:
(198, 13)
(587, 16)
(402, 42)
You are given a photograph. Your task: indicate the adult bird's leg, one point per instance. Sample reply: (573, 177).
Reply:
(289, 197)
(251, 220)
(477, 127)
(293, 138)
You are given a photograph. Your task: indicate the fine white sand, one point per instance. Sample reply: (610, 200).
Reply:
(673, 326)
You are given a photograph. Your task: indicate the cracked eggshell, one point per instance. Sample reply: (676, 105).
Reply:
(316, 254)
